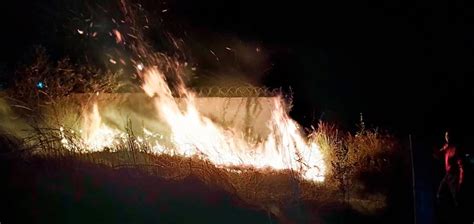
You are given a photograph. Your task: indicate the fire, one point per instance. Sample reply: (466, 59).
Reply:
(97, 135)
(193, 134)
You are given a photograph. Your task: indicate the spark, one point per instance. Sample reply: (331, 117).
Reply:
(212, 52)
(118, 36)
(132, 36)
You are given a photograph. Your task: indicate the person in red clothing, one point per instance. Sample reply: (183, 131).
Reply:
(454, 177)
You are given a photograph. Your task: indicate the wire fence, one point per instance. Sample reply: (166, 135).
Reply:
(240, 91)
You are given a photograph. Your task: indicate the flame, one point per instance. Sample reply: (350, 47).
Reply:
(193, 134)
(96, 134)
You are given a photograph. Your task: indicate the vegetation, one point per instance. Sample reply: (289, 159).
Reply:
(360, 165)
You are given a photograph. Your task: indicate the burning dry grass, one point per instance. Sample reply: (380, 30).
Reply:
(256, 186)
(263, 189)
(348, 156)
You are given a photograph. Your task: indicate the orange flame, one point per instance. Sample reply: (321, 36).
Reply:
(194, 134)
(97, 135)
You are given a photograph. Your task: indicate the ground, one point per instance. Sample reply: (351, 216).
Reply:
(43, 190)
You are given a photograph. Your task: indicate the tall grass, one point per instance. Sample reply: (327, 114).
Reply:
(349, 156)
(42, 83)
(352, 157)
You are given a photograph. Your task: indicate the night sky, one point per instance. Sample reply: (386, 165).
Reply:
(406, 65)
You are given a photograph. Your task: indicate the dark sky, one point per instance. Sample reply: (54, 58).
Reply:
(407, 65)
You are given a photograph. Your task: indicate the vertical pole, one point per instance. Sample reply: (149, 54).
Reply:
(412, 177)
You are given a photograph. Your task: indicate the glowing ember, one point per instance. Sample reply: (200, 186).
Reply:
(118, 36)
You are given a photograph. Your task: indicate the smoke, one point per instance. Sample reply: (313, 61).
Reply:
(226, 60)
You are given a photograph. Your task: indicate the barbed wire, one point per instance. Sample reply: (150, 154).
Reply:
(238, 91)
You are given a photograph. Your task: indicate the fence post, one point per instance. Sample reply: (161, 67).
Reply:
(412, 177)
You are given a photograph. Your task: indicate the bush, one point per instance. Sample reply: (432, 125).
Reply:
(43, 82)
(358, 164)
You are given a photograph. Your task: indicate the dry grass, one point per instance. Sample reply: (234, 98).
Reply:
(60, 79)
(260, 188)
(348, 155)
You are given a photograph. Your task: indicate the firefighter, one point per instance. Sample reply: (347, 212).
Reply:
(454, 176)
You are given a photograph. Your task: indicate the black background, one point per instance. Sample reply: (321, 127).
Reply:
(406, 65)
